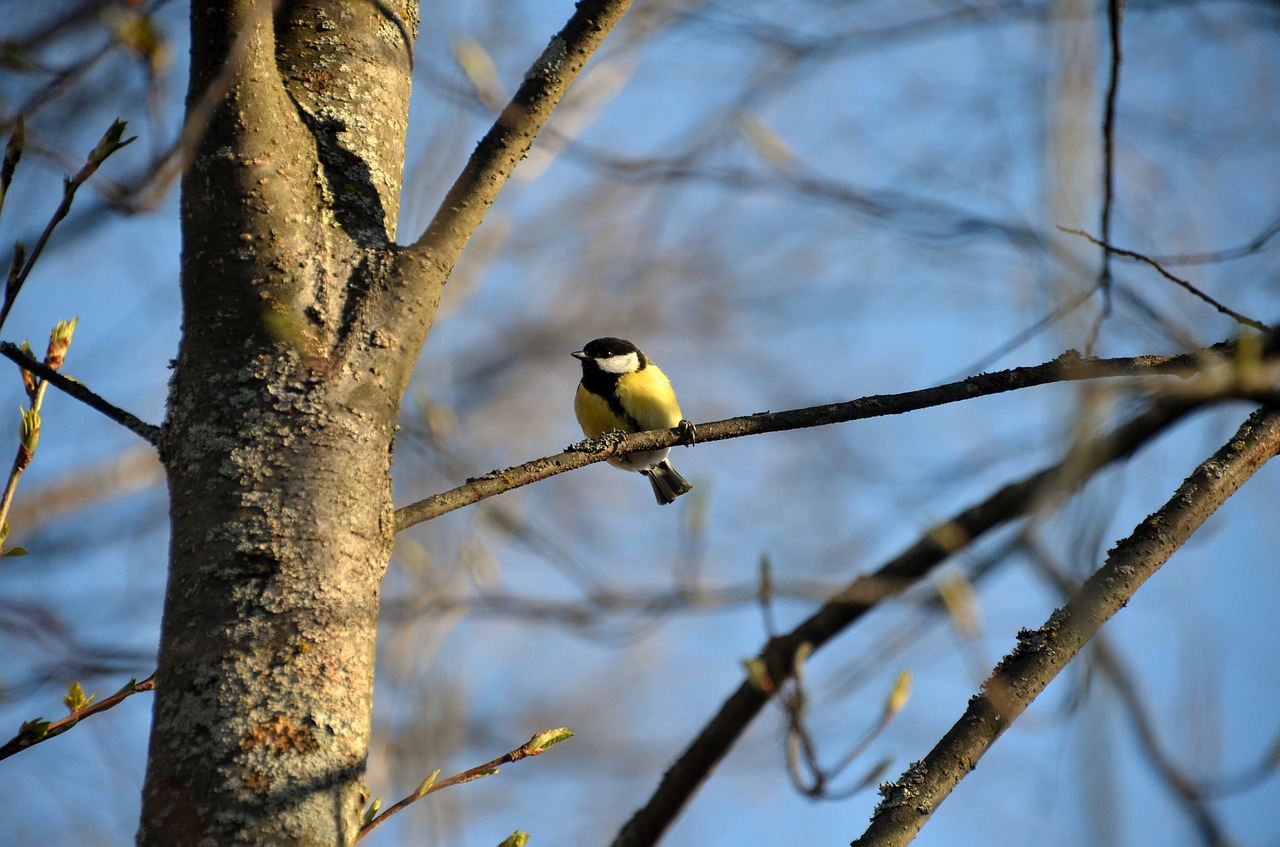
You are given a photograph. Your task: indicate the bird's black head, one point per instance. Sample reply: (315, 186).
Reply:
(603, 348)
(611, 356)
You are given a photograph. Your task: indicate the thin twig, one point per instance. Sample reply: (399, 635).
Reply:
(148, 432)
(29, 437)
(26, 739)
(800, 740)
(1226, 254)
(23, 457)
(20, 462)
(1115, 11)
(1138, 257)
(534, 746)
(12, 155)
(108, 144)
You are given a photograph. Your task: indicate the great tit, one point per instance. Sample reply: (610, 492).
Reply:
(622, 390)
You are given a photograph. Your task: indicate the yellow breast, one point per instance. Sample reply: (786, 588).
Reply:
(647, 397)
(594, 415)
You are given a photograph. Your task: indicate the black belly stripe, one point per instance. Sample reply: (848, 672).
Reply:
(604, 385)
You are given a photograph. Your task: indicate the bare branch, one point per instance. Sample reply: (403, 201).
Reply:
(512, 134)
(535, 745)
(1190, 796)
(112, 140)
(148, 432)
(863, 594)
(1226, 254)
(1041, 655)
(1130, 254)
(1115, 13)
(1067, 367)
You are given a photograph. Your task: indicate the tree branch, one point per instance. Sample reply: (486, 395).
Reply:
(1225, 254)
(1041, 655)
(1111, 249)
(511, 136)
(863, 594)
(533, 747)
(1115, 13)
(1107, 660)
(1013, 501)
(147, 432)
(110, 142)
(1067, 367)
(34, 732)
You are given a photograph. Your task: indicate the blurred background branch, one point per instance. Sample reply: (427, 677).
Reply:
(787, 204)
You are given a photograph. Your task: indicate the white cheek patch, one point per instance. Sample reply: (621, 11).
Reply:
(623, 364)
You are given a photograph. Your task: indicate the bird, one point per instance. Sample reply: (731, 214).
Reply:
(622, 390)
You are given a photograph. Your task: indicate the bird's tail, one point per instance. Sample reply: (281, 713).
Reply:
(667, 484)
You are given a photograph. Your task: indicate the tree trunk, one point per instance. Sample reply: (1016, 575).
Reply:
(281, 418)
(302, 321)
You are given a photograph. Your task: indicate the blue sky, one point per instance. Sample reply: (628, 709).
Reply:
(756, 287)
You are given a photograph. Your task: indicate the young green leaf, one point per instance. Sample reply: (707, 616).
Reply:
(110, 142)
(59, 341)
(370, 812)
(427, 783)
(75, 699)
(30, 432)
(550, 738)
(34, 730)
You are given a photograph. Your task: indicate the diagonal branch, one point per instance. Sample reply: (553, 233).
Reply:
(403, 306)
(147, 432)
(1010, 503)
(1041, 655)
(511, 136)
(533, 747)
(1067, 367)
(1192, 797)
(1139, 257)
(1225, 254)
(37, 731)
(112, 140)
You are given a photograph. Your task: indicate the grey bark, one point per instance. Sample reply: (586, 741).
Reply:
(302, 321)
(280, 425)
